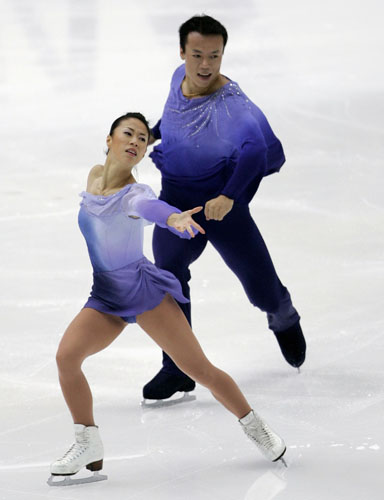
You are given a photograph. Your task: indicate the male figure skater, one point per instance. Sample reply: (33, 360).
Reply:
(216, 146)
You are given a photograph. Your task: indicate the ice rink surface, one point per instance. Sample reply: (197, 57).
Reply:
(67, 69)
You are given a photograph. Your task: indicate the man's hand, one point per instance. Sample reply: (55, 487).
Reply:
(218, 208)
(184, 222)
(151, 140)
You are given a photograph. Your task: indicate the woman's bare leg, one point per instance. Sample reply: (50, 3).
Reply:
(168, 327)
(89, 333)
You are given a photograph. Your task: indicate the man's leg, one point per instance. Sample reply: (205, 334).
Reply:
(174, 254)
(242, 247)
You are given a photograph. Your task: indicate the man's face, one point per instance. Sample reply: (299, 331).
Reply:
(202, 56)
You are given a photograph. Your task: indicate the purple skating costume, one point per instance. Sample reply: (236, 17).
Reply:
(125, 282)
(222, 140)
(218, 144)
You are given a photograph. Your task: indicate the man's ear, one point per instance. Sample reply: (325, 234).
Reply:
(182, 54)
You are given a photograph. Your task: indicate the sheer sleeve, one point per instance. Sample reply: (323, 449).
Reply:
(141, 201)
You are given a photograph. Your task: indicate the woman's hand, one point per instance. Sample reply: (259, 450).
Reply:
(184, 222)
(218, 208)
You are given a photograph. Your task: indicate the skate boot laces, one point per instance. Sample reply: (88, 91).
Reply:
(263, 436)
(74, 452)
(257, 430)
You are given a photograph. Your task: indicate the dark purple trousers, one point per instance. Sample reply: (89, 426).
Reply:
(238, 241)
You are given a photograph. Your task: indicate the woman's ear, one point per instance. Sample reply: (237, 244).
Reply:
(109, 141)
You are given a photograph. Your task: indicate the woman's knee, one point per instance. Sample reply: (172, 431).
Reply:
(68, 360)
(202, 373)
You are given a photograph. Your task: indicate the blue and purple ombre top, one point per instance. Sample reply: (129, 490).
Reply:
(125, 283)
(221, 131)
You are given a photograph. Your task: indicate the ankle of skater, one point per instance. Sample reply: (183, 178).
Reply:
(244, 414)
(86, 421)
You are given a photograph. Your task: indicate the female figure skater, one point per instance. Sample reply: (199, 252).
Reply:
(127, 288)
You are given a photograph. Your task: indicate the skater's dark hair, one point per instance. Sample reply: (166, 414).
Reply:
(205, 25)
(128, 115)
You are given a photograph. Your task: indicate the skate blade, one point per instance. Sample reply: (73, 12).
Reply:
(163, 403)
(68, 481)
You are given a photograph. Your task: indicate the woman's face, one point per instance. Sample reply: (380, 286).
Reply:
(202, 56)
(129, 141)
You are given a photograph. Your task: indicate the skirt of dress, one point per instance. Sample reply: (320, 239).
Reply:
(133, 289)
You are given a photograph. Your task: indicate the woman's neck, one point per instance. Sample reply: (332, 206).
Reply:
(114, 177)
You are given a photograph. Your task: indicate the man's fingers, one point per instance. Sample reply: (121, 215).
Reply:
(215, 210)
(206, 211)
(216, 214)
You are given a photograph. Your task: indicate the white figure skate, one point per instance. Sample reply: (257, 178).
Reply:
(269, 443)
(87, 451)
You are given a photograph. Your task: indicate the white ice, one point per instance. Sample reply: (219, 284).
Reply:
(67, 69)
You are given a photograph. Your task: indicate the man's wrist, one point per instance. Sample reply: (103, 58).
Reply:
(227, 197)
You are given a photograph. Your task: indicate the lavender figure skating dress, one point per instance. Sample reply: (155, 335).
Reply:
(125, 282)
